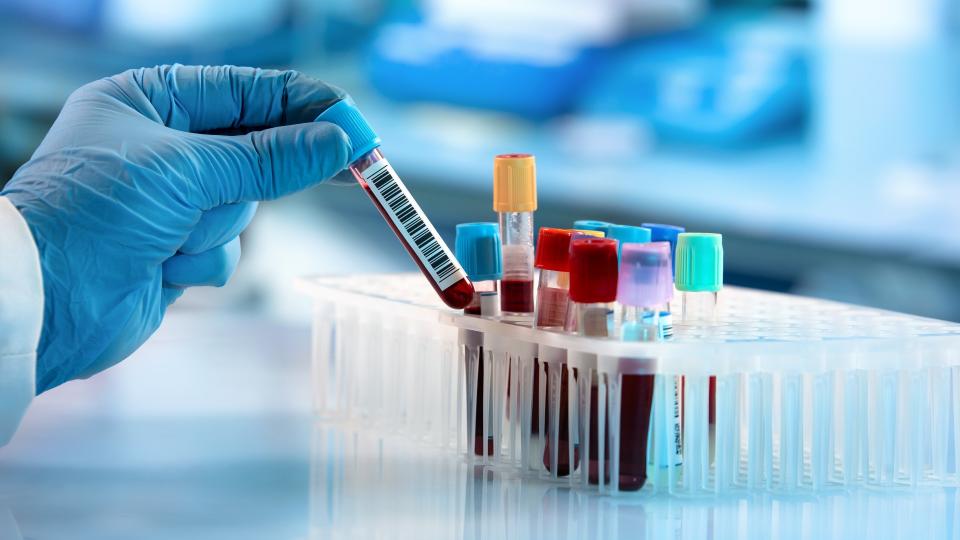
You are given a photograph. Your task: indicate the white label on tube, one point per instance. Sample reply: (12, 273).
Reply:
(413, 224)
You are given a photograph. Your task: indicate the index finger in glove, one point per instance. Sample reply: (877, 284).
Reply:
(211, 98)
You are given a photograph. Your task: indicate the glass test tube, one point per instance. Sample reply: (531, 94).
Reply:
(398, 208)
(515, 200)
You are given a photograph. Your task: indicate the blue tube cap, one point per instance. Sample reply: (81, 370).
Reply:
(591, 225)
(660, 232)
(478, 250)
(348, 117)
(628, 234)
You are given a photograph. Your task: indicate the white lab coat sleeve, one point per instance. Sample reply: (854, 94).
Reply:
(21, 317)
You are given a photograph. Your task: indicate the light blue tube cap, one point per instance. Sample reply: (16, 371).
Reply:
(345, 114)
(628, 234)
(478, 250)
(591, 225)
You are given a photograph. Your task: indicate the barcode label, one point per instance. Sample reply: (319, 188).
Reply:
(413, 224)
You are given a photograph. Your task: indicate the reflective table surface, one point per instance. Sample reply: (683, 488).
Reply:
(207, 432)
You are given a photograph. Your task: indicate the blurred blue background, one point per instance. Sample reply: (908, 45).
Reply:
(821, 138)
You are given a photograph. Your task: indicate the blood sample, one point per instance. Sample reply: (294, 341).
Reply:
(517, 296)
(478, 248)
(398, 208)
(515, 200)
(645, 286)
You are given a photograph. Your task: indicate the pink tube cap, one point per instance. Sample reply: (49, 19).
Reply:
(646, 275)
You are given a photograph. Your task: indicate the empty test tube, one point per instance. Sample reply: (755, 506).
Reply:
(699, 277)
(645, 286)
(515, 200)
(398, 208)
(478, 248)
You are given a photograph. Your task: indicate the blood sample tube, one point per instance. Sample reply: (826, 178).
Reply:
(515, 200)
(478, 248)
(398, 208)
(645, 285)
(593, 288)
(699, 277)
(553, 260)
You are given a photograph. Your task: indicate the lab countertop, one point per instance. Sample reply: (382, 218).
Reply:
(207, 432)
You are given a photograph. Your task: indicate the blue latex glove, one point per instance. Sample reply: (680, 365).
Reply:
(137, 193)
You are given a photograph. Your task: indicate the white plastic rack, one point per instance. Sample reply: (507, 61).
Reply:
(780, 393)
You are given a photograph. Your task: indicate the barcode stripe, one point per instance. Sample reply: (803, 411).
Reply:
(411, 219)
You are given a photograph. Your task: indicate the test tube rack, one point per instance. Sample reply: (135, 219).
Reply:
(808, 395)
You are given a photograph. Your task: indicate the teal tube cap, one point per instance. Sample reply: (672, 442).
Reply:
(348, 117)
(477, 248)
(699, 262)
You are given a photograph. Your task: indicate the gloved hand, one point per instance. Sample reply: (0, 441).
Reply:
(137, 193)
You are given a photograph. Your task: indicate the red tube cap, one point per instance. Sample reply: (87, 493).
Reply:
(593, 270)
(553, 249)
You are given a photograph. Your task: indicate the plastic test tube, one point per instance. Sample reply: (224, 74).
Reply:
(660, 232)
(398, 208)
(478, 248)
(515, 200)
(699, 277)
(593, 289)
(645, 285)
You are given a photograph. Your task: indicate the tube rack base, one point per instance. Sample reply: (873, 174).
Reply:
(779, 393)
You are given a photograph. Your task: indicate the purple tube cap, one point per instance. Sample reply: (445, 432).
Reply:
(646, 275)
